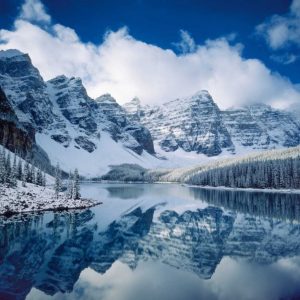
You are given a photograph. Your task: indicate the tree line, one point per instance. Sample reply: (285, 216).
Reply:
(272, 173)
(12, 170)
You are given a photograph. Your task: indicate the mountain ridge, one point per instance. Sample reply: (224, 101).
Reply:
(70, 124)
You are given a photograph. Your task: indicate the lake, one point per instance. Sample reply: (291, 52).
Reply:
(156, 241)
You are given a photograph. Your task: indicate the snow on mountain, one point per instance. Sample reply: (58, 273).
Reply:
(76, 130)
(26, 90)
(68, 123)
(196, 124)
(261, 127)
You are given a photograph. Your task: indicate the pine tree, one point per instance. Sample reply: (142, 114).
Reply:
(44, 179)
(20, 170)
(2, 166)
(8, 168)
(76, 185)
(13, 176)
(57, 185)
(39, 177)
(33, 174)
(70, 186)
(26, 175)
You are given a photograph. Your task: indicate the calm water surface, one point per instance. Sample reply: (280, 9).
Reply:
(156, 241)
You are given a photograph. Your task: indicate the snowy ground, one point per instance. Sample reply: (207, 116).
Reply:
(37, 198)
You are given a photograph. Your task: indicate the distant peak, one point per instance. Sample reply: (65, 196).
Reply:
(10, 53)
(59, 77)
(63, 78)
(202, 93)
(106, 98)
(134, 102)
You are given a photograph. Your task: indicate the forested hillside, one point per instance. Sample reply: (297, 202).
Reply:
(270, 169)
(279, 169)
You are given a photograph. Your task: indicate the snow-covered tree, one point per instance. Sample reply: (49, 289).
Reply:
(76, 185)
(26, 173)
(39, 177)
(2, 166)
(33, 174)
(14, 173)
(8, 168)
(70, 186)
(57, 184)
(20, 169)
(44, 179)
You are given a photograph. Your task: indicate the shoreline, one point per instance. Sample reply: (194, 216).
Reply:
(224, 188)
(9, 214)
(33, 198)
(267, 190)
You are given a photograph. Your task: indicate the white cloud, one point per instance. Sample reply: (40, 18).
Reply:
(33, 10)
(285, 59)
(187, 43)
(282, 31)
(126, 67)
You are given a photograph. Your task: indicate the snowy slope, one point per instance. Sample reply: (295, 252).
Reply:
(107, 152)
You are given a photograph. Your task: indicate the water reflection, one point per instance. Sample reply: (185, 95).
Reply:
(272, 205)
(56, 253)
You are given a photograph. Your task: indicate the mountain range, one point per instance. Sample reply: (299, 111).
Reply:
(63, 124)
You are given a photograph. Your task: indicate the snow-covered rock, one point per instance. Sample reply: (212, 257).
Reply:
(65, 117)
(197, 124)
(192, 124)
(261, 127)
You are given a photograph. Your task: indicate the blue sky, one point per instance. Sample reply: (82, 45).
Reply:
(246, 25)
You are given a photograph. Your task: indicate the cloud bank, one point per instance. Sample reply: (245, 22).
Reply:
(127, 67)
(282, 33)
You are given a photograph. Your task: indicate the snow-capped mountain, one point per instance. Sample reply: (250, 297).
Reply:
(197, 124)
(193, 124)
(68, 123)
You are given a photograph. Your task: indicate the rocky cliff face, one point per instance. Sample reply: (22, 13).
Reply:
(25, 89)
(134, 135)
(193, 124)
(12, 135)
(262, 127)
(197, 124)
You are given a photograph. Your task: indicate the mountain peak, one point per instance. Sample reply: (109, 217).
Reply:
(108, 98)
(10, 53)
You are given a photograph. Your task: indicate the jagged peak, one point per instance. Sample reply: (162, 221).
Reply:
(108, 98)
(198, 97)
(62, 80)
(59, 78)
(11, 53)
(136, 101)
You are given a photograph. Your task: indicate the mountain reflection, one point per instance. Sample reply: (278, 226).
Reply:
(49, 251)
